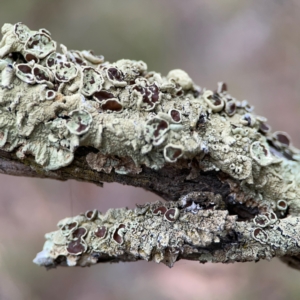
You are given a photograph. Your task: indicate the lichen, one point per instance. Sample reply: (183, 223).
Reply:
(52, 103)
(143, 233)
(157, 120)
(165, 233)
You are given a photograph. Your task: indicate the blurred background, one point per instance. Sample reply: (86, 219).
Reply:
(254, 46)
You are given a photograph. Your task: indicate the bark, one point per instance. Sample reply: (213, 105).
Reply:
(231, 185)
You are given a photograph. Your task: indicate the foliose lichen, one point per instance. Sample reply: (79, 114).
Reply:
(157, 120)
(149, 232)
(52, 103)
(165, 233)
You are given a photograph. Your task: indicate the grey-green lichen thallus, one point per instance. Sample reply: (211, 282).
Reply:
(53, 103)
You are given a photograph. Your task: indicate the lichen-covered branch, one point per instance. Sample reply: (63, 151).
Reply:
(166, 233)
(232, 184)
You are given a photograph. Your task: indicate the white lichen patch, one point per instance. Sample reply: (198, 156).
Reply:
(165, 233)
(149, 232)
(52, 103)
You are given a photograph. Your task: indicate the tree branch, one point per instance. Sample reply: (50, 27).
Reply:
(167, 233)
(231, 184)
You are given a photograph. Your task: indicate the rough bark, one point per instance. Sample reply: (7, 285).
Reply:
(231, 185)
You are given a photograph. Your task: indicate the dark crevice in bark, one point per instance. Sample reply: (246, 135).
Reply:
(169, 183)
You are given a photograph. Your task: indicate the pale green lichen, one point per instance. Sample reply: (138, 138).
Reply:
(79, 122)
(165, 233)
(139, 234)
(91, 81)
(39, 45)
(135, 118)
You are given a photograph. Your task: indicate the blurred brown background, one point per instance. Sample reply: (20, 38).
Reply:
(254, 46)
